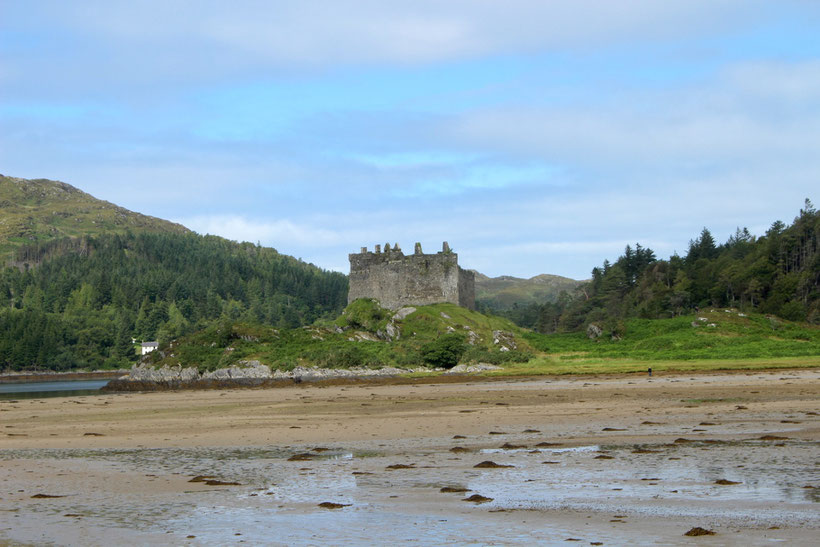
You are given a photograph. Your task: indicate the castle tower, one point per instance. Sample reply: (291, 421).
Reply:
(396, 280)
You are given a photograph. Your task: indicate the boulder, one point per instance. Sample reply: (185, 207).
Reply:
(403, 312)
(594, 331)
(505, 339)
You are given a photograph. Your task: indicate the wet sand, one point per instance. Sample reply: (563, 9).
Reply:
(599, 459)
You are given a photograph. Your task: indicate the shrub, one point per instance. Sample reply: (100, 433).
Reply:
(484, 355)
(445, 351)
(793, 311)
(349, 356)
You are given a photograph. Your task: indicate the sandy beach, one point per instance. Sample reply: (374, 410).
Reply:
(594, 459)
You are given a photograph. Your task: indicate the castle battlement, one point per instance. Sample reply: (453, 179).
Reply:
(396, 279)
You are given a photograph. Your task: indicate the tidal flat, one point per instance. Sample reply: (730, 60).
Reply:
(592, 460)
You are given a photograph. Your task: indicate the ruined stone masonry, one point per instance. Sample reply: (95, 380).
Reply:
(397, 280)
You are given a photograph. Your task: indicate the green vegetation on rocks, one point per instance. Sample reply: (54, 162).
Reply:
(364, 314)
(439, 335)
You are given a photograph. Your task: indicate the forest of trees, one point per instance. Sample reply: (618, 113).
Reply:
(77, 303)
(777, 273)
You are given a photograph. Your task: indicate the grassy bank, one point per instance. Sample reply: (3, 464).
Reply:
(711, 334)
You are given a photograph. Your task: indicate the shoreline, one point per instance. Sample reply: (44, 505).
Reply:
(120, 385)
(343, 410)
(622, 451)
(55, 376)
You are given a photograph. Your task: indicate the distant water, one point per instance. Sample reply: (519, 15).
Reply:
(38, 390)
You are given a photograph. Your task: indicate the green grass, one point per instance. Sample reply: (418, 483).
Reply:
(733, 337)
(549, 365)
(428, 322)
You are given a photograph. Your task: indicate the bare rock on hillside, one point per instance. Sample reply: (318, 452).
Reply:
(594, 331)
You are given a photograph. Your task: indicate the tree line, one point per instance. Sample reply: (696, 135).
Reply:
(777, 273)
(79, 303)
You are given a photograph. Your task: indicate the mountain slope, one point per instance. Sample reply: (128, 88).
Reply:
(38, 210)
(88, 276)
(500, 293)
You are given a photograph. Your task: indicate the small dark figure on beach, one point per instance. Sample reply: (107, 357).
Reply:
(650, 372)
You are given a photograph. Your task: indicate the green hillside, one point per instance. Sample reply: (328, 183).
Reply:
(501, 293)
(42, 210)
(88, 297)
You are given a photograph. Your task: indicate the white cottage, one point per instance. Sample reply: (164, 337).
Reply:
(148, 347)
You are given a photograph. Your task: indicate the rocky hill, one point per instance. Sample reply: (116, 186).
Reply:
(363, 336)
(38, 210)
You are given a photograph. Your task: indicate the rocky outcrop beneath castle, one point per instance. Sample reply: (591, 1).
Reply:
(504, 340)
(392, 331)
(248, 374)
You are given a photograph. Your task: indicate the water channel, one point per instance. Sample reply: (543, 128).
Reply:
(62, 388)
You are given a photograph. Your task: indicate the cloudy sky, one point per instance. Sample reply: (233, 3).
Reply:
(535, 136)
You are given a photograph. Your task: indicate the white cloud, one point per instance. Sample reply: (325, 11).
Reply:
(718, 122)
(523, 180)
(367, 31)
(271, 232)
(784, 83)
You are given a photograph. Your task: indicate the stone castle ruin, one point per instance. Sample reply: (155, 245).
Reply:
(397, 280)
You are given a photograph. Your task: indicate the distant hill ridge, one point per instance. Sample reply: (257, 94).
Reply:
(503, 292)
(37, 210)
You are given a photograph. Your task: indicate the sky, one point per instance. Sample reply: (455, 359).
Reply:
(534, 136)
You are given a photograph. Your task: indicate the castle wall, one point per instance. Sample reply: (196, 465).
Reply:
(466, 288)
(396, 279)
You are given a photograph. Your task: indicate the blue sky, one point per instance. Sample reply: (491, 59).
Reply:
(534, 136)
